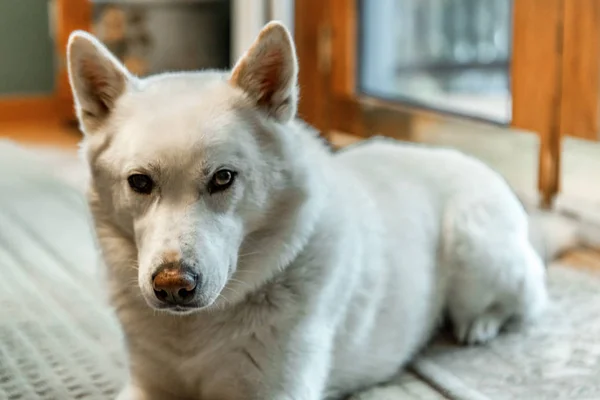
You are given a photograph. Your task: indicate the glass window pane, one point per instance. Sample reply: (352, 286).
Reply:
(450, 55)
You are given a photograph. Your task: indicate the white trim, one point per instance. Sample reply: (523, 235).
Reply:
(247, 17)
(283, 11)
(380, 43)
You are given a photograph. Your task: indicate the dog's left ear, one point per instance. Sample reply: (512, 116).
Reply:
(268, 72)
(97, 79)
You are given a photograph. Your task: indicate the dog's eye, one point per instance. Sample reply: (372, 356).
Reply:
(221, 180)
(141, 183)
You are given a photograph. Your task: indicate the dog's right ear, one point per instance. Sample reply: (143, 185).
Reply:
(268, 72)
(97, 79)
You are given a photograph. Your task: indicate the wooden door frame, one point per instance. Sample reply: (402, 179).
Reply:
(70, 15)
(556, 57)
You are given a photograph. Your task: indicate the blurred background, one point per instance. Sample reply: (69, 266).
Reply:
(441, 71)
(515, 83)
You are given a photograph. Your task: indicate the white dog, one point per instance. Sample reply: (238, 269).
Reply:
(246, 261)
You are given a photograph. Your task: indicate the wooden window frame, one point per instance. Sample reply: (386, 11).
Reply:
(66, 16)
(555, 77)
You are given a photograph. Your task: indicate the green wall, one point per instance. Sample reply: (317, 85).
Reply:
(26, 49)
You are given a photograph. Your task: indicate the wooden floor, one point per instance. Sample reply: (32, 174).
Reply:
(50, 133)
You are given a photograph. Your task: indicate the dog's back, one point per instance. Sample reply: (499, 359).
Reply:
(446, 233)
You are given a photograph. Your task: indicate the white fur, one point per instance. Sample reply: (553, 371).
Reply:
(323, 273)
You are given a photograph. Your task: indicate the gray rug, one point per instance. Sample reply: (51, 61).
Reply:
(556, 358)
(59, 340)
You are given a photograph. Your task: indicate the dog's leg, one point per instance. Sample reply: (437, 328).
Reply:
(304, 369)
(131, 392)
(494, 273)
(389, 392)
(135, 392)
(304, 378)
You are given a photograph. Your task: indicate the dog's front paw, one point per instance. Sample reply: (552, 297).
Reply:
(380, 393)
(479, 331)
(132, 393)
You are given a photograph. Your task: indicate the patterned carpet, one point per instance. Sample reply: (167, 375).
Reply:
(556, 358)
(59, 340)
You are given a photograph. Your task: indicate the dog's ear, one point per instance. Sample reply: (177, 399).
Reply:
(97, 79)
(268, 72)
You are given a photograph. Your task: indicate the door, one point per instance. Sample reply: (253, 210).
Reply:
(482, 69)
(69, 15)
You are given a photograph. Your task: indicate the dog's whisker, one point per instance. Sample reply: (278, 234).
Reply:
(249, 254)
(237, 294)
(223, 296)
(247, 271)
(246, 284)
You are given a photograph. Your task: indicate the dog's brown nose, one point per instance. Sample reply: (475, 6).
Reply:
(175, 285)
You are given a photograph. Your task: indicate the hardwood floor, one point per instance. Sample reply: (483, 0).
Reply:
(50, 133)
(584, 259)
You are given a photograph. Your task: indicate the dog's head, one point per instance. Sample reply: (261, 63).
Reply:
(186, 165)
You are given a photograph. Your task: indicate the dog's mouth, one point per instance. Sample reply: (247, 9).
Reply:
(179, 309)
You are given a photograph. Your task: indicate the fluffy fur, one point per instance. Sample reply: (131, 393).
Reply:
(322, 274)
